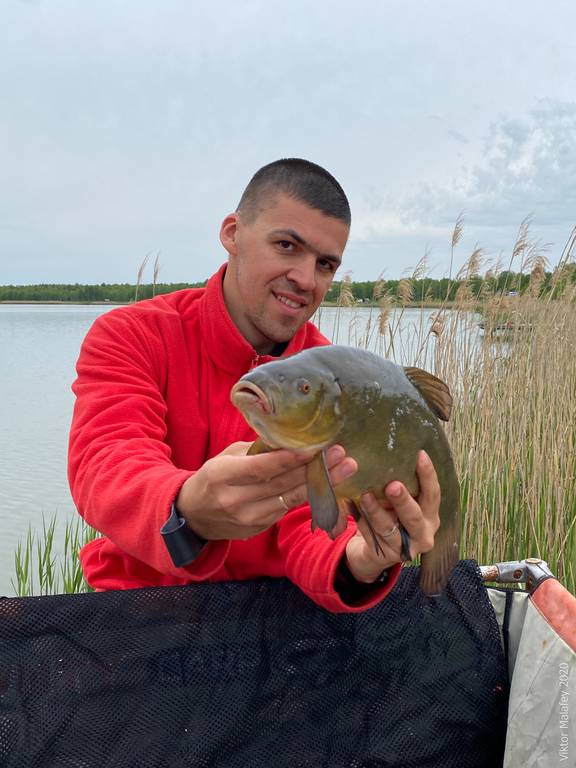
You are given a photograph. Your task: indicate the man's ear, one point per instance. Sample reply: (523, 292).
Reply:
(228, 231)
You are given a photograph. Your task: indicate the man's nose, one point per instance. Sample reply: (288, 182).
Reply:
(303, 274)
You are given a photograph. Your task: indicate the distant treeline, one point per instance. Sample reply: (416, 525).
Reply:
(425, 289)
(121, 293)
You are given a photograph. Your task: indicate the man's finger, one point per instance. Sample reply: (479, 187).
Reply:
(344, 469)
(429, 497)
(271, 466)
(406, 508)
(334, 455)
(383, 521)
(290, 484)
(262, 467)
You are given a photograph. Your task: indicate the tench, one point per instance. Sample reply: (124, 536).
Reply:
(382, 414)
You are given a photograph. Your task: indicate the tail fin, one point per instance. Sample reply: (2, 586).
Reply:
(437, 564)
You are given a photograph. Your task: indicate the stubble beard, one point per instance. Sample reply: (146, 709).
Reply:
(274, 330)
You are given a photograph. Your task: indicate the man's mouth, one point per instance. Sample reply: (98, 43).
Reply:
(288, 302)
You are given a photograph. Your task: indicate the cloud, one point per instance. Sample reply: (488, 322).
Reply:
(374, 225)
(458, 136)
(529, 166)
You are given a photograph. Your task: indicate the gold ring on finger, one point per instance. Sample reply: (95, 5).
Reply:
(391, 532)
(283, 502)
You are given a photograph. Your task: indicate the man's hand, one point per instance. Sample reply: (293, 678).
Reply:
(420, 517)
(235, 496)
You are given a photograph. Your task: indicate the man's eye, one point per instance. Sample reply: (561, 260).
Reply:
(326, 265)
(286, 245)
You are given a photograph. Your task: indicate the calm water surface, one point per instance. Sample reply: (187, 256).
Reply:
(38, 350)
(39, 345)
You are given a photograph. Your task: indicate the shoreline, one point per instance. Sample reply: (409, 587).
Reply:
(326, 304)
(75, 303)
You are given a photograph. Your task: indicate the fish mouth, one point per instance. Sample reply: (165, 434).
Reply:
(249, 397)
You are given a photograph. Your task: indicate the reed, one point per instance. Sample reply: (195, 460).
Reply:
(513, 432)
(45, 564)
(513, 429)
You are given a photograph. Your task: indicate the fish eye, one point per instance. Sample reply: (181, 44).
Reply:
(303, 386)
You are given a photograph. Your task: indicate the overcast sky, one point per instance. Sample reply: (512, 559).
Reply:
(131, 127)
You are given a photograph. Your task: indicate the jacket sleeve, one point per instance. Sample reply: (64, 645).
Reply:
(120, 471)
(312, 561)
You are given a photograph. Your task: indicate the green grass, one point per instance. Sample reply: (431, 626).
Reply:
(38, 570)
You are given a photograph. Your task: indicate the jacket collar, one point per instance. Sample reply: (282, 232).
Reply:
(224, 343)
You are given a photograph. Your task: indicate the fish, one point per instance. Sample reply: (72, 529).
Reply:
(382, 413)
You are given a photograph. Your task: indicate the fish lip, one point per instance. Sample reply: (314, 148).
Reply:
(245, 393)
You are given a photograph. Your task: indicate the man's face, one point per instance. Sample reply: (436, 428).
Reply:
(281, 265)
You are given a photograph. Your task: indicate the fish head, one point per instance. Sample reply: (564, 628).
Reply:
(290, 404)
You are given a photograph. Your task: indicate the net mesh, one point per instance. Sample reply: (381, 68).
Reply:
(252, 675)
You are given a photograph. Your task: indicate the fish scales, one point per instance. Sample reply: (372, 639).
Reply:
(381, 413)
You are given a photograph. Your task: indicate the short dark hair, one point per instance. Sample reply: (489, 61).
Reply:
(299, 179)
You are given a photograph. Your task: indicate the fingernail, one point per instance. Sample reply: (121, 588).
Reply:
(425, 460)
(349, 469)
(394, 490)
(335, 453)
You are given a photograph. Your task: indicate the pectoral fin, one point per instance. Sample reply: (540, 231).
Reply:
(258, 446)
(323, 504)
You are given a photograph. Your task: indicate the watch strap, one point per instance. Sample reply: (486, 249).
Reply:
(350, 590)
(182, 543)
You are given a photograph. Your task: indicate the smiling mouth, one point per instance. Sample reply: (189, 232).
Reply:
(249, 397)
(289, 302)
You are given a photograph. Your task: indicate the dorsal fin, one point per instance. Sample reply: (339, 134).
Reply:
(433, 390)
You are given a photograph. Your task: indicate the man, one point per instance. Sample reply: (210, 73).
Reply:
(156, 444)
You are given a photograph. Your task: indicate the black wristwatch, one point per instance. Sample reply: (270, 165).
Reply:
(351, 590)
(182, 543)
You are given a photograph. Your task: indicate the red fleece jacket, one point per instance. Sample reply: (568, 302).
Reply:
(152, 406)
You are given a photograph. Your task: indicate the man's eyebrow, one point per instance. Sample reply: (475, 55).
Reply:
(299, 239)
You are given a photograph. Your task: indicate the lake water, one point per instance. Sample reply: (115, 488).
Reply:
(39, 345)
